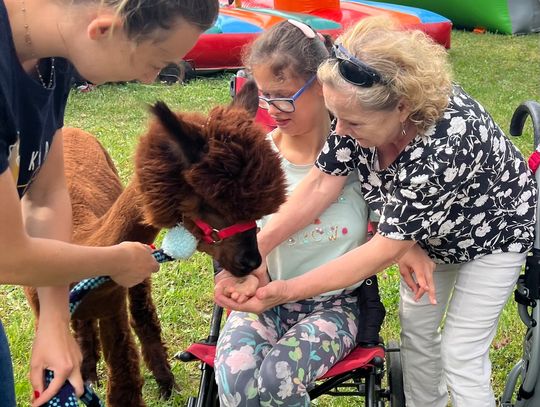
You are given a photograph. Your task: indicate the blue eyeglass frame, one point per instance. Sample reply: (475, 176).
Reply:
(361, 74)
(272, 101)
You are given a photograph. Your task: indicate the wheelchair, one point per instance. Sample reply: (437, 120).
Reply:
(522, 387)
(373, 373)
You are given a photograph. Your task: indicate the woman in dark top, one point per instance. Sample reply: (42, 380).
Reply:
(109, 40)
(454, 196)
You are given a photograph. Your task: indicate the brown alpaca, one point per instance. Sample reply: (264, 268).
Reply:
(218, 168)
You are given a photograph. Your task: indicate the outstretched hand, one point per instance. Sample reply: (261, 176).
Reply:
(137, 266)
(253, 293)
(238, 289)
(272, 294)
(417, 269)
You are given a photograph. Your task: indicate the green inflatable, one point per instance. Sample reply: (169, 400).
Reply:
(503, 16)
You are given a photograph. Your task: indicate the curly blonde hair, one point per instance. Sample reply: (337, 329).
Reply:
(413, 66)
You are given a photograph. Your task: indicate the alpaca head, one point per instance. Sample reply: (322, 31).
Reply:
(219, 169)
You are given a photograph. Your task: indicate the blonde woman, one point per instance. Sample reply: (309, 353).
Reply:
(40, 42)
(454, 196)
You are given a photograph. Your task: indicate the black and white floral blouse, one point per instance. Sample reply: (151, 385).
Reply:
(461, 191)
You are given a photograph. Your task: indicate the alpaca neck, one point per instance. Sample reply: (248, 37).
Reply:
(124, 221)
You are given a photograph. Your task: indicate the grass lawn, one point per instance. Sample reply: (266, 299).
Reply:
(500, 71)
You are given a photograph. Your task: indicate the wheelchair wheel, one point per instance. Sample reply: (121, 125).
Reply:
(394, 375)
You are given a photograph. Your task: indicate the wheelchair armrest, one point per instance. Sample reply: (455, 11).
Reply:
(531, 278)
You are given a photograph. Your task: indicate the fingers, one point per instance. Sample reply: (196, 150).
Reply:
(419, 294)
(239, 298)
(77, 382)
(426, 285)
(36, 380)
(408, 279)
(229, 299)
(227, 302)
(431, 287)
(423, 285)
(53, 388)
(227, 290)
(222, 296)
(137, 265)
(238, 289)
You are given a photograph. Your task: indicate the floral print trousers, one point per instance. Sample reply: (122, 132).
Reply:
(271, 359)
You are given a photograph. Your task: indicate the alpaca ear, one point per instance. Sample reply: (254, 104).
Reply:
(248, 97)
(191, 143)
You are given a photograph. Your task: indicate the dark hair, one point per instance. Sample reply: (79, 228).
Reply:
(285, 47)
(143, 17)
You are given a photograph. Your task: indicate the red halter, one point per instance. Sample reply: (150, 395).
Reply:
(213, 236)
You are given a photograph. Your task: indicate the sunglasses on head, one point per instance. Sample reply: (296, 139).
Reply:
(355, 71)
(285, 105)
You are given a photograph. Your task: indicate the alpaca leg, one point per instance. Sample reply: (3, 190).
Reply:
(86, 335)
(146, 324)
(124, 387)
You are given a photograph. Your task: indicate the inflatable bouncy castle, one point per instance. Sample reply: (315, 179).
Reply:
(503, 16)
(239, 22)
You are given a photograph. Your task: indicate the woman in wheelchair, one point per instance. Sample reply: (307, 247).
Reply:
(450, 189)
(271, 358)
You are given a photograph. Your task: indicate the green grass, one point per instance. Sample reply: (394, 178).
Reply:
(500, 71)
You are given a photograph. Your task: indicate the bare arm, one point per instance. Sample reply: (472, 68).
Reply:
(33, 261)
(309, 199)
(30, 259)
(46, 211)
(366, 260)
(358, 264)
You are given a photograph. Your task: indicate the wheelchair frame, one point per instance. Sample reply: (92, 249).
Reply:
(363, 380)
(527, 294)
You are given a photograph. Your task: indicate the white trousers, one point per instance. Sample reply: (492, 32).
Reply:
(455, 358)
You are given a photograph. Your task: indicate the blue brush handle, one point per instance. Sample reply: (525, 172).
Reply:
(66, 396)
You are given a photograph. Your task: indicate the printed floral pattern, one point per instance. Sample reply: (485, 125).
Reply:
(462, 191)
(272, 358)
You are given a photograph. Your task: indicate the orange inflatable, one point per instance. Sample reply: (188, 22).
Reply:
(305, 6)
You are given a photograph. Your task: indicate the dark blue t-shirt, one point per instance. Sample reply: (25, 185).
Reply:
(30, 114)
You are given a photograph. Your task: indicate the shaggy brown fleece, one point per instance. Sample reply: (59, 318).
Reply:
(218, 168)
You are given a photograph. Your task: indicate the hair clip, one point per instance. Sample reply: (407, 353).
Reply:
(306, 29)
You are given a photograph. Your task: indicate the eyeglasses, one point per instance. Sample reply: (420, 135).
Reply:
(285, 105)
(355, 71)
